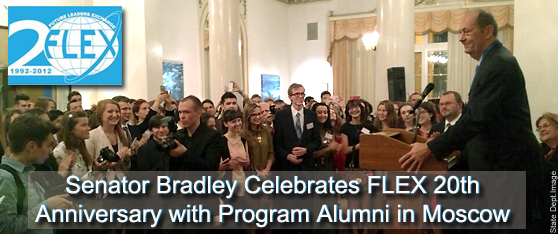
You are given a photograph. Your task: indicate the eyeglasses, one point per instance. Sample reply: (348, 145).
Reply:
(446, 103)
(299, 94)
(544, 126)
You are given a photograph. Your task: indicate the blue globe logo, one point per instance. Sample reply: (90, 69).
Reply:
(81, 46)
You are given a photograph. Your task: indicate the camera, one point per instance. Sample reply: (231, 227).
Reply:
(107, 155)
(168, 144)
(272, 109)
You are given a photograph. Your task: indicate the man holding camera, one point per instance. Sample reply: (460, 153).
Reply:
(199, 147)
(31, 141)
(154, 155)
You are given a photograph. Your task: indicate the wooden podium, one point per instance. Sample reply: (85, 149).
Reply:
(382, 151)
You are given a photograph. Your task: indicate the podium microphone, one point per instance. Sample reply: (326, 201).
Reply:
(423, 95)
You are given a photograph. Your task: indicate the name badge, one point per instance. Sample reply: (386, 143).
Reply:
(328, 136)
(365, 131)
(310, 126)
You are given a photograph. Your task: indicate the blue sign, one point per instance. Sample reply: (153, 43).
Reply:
(65, 45)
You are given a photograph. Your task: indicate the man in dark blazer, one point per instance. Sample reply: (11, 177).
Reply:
(495, 130)
(296, 133)
(199, 147)
(451, 107)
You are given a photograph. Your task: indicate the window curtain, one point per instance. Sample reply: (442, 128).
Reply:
(352, 65)
(449, 20)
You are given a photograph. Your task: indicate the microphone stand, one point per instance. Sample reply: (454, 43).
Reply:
(416, 127)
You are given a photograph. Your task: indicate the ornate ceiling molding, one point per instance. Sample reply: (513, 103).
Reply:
(300, 1)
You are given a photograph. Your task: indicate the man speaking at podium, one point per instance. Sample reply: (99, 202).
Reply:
(495, 132)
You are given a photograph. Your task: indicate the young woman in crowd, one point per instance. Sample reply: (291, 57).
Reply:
(109, 135)
(259, 139)
(407, 118)
(142, 112)
(208, 120)
(547, 126)
(427, 118)
(71, 153)
(324, 157)
(386, 116)
(239, 159)
(356, 123)
(260, 150)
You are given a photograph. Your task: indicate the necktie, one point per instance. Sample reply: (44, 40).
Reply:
(448, 126)
(128, 135)
(298, 128)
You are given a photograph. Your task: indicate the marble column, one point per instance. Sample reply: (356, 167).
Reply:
(224, 52)
(396, 25)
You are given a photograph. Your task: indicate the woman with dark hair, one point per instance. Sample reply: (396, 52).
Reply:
(239, 159)
(385, 116)
(142, 112)
(71, 154)
(427, 118)
(406, 117)
(208, 120)
(547, 127)
(324, 156)
(109, 135)
(356, 123)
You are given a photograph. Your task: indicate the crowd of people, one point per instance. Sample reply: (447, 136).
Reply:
(256, 136)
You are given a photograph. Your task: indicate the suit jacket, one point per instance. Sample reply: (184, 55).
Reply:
(285, 139)
(494, 133)
(439, 127)
(99, 140)
(204, 149)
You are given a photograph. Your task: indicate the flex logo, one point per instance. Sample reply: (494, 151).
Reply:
(65, 45)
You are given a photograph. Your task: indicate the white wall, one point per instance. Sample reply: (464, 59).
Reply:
(268, 39)
(536, 49)
(180, 38)
(308, 59)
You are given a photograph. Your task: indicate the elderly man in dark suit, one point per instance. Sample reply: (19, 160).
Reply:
(296, 133)
(495, 131)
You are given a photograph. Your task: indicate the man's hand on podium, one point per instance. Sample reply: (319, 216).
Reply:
(418, 155)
